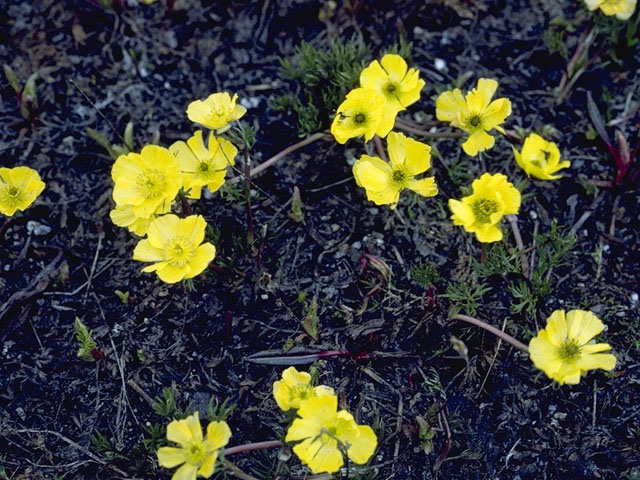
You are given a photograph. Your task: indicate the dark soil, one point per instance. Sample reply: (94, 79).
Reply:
(145, 64)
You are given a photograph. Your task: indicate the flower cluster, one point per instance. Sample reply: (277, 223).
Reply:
(386, 88)
(147, 183)
(196, 454)
(19, 187)
(325, 434)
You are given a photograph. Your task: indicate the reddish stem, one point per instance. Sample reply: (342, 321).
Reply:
(249, 447)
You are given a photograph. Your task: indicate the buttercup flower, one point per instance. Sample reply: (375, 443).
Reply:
(148, 181)
(622, 9)
(176, 245)
(19, 187)
(480, 213)
(294, 387)
(325, 433)
(400, 86)
(475, 113)
(360, 114)
(123, 216)
(384, 181)
(196, 454)
(540, 158)
(216, 112)
(201, 166)
(564, 351)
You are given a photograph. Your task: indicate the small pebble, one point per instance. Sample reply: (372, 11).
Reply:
(533, 214)
(264, 296)
(37, 229)
(440, 64)
(634, 299)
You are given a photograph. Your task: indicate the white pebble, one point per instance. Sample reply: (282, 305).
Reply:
(440, 64)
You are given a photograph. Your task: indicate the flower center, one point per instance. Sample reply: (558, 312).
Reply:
(359, 118)
(13, 191)
(196, 454)
(179, 251)
(152, 182)
(569, 351)
(475, 121)
(302, 391)
(483, 208)
(391, 88)
(204, 167)
(398, 176)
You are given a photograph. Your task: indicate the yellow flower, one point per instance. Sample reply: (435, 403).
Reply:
(622, 9)
(540, 158)
(176, 244)
(123, 216)
(201, 166)
(384, 181)
(564, 351)
(216, 112)
(294, 387)
(360, 114)
(196, 454)
(480, 213)
(475, 113)
(326, 433)
(19, 187)
(148, 181)
(401, 87)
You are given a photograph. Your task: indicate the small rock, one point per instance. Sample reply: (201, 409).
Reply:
(634, 299)
(37, 229)
(440, 64)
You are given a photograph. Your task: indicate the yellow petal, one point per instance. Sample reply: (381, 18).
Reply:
(178, 432)
(172, 274)
(218, 434)
(417, 157)
(206, 470)
(307, 449)
(374, 77)
(201, 259)
(363, 446)
(327, 459)
(323, 390)
(388, 196)
(293, 377)
(199, 112)
(496, 113)
(196, 144)
(169, 457)
(509, 197)
(163, 229)
(478, 142)
(583, 326)
(396, 150)
(388, 119)
(319, 409)
(462, 213)
(450, 106)
(216, 182)
(605, 361)
(395, 66)
(425, 187)
(568, 373)
(193, 228)
(544, 354)
(193, 424)
(301, 429)
(186, 472)
(372, 173)
(489, 234)
(145, 252)
(484, 92)
(556, 328)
